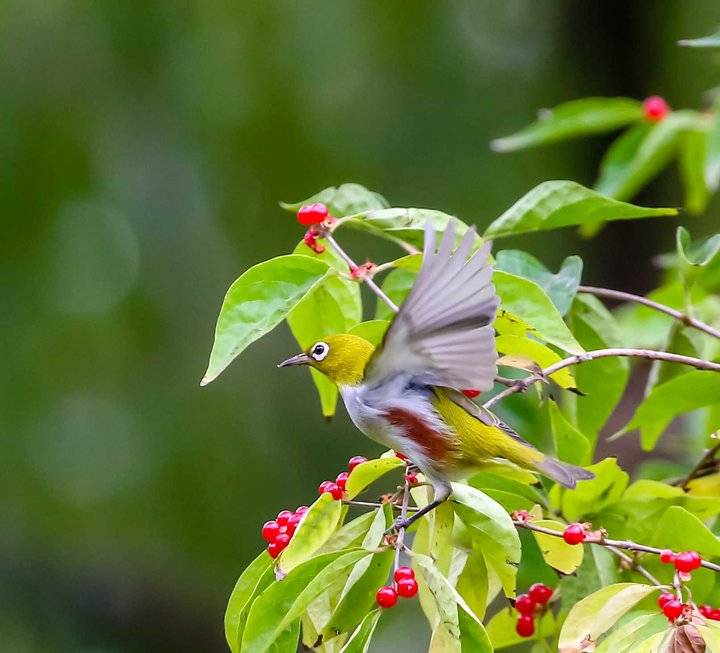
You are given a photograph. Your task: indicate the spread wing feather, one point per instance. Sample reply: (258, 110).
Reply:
(444, 331)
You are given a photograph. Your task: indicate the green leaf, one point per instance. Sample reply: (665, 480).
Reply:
(560, 287)
(256, 577)
(372, 330)
(538, 353)
(593, 115)
(396, 286)
(596, 328)
(641, 153)
(258, 301)
(368, 472)
(571, 445)
(712, 161)
(450, 606)
(333, 306)
(407, 225)
(556, 204)
(598, 569)
(346, 199)
(358, 595)
(492, 530)
(666, 401)
(698, 254)
(351, 534)
(285, 600)
(597, 613)
(712, 41)
(589, 497)
(693, 155)
(501, 629)
(525, 299)
(473, 582)
(359, 641)
(632, 632)
(555, 551)
(680, 530)
(315, 528)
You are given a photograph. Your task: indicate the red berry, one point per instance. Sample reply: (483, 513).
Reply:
(386, 597)
(667, 556)
(664, 599)
(401, 573)
(687, 561)
(355, 461)
(524, 604)
(673, 609)
(655, 108)
(525, 626)
(714, 614)
(471, 393)
(293, 523)
(704, 610)
(574, 534)
(407, 587)
(323, 487)
(270, 530)
(341, 480)
(301, 510)
(540, 593)
(332, 488)
(411, 479)
(312, 214)
(283, 517)
(274, 549)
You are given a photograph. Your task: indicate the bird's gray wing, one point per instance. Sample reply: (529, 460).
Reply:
(443, 332)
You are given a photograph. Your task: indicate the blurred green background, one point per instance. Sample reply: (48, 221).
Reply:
(143, 149)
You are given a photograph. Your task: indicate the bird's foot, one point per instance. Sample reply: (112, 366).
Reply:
(399, 523)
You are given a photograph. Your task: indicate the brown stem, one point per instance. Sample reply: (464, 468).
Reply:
(522, 384)
(699, 470)
(400, 542)
(634, 564)
(662, 308)
(607, 542)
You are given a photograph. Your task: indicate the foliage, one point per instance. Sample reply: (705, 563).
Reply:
(472, 555)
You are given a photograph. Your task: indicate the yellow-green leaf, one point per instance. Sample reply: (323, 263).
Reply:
(538, 353)
(597, 613)
(369, 472)
(555, 551)
(315, 528)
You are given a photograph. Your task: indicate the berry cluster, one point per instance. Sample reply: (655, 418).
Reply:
(337, 487)
(574, 533)
(671, 606)
(530, 604)
(278, 532)
(312, 216)
(655, 108)
(405, 585)
(684, 562)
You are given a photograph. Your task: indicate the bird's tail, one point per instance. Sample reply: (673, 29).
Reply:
(563, 473)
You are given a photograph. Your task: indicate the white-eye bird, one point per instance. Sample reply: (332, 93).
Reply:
(406, 393)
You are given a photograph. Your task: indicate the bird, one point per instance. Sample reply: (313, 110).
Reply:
(407, 393)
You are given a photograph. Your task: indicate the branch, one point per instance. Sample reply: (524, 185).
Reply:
(371, 284)
(662, 308)
(606, 542)
(705, 465)
(634, 564)
(523, 384)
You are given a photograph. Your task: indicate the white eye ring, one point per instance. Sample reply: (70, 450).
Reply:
(319, 350)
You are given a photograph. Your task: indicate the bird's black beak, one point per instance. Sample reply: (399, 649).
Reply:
(300, 359)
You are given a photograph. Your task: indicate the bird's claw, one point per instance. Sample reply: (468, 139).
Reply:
(399, 523)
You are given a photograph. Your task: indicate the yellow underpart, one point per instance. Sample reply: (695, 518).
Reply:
(476, 441)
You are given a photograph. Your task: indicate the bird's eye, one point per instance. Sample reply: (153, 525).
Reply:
(319, 350)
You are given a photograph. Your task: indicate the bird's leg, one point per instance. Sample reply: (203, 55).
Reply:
(442, 492)
(401, 522)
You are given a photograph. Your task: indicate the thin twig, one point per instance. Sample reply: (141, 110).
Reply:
(371, 284)
(634, 564)
(706, 461)
(400, 542)
(375, 504)
(604, 541)
(662, 308)
(522, 384)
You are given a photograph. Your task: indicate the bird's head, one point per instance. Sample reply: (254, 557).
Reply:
(342, 358)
